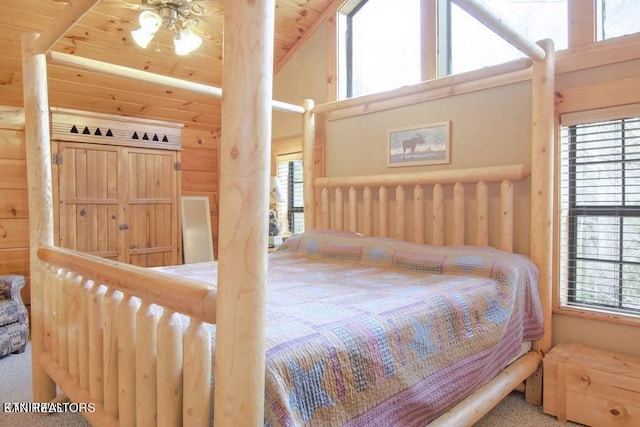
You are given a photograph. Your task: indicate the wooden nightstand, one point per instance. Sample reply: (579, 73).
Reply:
(592, 387)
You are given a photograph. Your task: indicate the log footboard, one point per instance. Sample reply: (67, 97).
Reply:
(133, 343)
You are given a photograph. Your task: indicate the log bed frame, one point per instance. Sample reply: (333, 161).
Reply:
(93, 331)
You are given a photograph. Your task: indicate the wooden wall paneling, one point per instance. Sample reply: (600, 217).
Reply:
(14, 208)
(199, 181)
(200, 138)
(14, 261)
(12, 144)
(14, 173)
(200, 159)
(14, 203)
(14, 233)
(11, 118)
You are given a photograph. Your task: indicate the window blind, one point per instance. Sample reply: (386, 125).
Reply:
(290, 174)
(600, 214)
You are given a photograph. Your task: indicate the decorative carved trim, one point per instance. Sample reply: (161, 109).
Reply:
(97, 128)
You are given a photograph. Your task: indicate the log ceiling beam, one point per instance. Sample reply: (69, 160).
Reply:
(113, 70)
(72, 13)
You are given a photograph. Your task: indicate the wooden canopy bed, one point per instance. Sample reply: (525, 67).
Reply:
(97, 331)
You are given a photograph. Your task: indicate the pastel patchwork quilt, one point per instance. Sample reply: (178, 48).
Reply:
(368, 331)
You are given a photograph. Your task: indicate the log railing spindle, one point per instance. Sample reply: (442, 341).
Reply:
(146, 363)
(169, 370)
(83, 291)
(127, 360)
(72, 283)
(367, 201)
(418, 214)
(112, 301)
(339, 210)
(197, 375)
(506, 216)
(326, 215)
(383, 200)
(96, 341)
(482, 200)
(353, 210)
(401, 208)
(458, 214)
(438, 215)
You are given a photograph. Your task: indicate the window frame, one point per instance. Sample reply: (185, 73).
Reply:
(285, 152)
(291, 189)
(435, 42)
(565, 283)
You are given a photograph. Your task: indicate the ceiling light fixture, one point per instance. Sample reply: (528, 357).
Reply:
(177, 15)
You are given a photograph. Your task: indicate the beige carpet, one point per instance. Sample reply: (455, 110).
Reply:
(15, 386)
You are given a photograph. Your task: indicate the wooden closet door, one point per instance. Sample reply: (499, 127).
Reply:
(151, 207)
(90, 180)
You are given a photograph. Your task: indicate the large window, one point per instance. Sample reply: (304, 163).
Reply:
(472, 45)
(600, 215)
(617, 18)
(380, 46)
(380, 40)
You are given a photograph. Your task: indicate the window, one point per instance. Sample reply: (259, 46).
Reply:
(380, 46)
(380, 40)
(600, 214)
(290, 174)
(617, 18)
(473, 45)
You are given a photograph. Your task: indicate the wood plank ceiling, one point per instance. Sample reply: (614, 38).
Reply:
(104, 34)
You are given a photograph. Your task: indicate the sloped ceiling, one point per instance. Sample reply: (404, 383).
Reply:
(104, 34)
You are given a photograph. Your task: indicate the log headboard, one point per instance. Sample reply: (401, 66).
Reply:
(450, 207)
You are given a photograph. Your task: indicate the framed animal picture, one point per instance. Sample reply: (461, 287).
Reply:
(419, 145)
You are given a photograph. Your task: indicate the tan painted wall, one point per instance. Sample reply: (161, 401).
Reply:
(303, 77)
(488, 127)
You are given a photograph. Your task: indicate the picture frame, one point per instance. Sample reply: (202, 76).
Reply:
(427, 144)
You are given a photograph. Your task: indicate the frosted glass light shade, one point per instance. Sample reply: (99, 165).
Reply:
(150, 21)
(186, 41)
(141, 37)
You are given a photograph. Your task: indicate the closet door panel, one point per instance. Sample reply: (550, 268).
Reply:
(88, 198)
(152, 207)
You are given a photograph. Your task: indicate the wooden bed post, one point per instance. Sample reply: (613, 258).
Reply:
(542, 142)
(36, 108)
(541, 235)
(308, 147)
(245, 150)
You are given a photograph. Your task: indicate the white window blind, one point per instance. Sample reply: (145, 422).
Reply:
(290, 174)
(600, 213)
